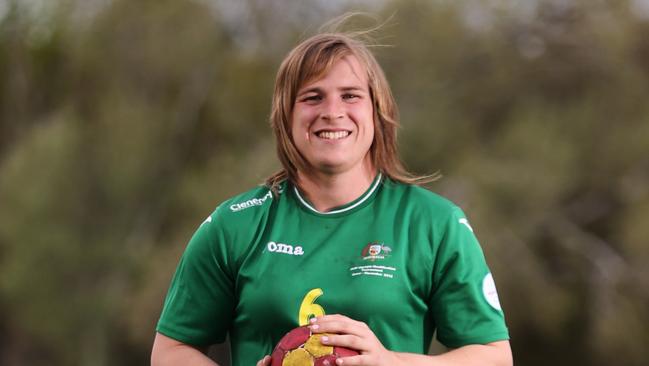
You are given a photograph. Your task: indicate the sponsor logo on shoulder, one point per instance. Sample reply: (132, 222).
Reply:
(282, 248)
(251, 202)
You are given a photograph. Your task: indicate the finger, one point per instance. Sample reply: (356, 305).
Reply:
(264, 361)
(339, 325)
(332, 317)
(354, 360)
(347, 341)
(335, 327)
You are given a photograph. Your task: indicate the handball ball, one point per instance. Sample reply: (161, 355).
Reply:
(300, 347)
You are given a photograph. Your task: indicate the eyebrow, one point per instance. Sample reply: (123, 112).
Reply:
(319, 90)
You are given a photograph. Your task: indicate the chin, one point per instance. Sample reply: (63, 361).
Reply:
(336, 164)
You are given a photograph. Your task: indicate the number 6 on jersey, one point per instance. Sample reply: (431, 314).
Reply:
(309, 309)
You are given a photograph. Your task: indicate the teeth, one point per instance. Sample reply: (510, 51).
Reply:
(328, 135)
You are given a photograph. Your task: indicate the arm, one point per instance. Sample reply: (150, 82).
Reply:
(168, 351)
(198, 307)
(357, 335)
(496, 353)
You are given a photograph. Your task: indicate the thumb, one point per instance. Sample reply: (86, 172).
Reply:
(264, 361)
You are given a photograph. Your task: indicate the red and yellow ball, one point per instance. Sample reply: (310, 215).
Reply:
(301, 347)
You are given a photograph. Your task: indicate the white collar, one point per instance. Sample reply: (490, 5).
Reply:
(366, 195)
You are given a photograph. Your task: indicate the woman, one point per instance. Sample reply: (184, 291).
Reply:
(342, 230)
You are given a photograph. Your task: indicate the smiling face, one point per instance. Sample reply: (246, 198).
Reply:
(332, 122)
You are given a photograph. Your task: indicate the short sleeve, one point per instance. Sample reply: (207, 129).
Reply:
(199, 306)
(464, 302)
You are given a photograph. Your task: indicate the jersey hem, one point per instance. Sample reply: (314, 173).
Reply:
(455, 343)
(183, 337)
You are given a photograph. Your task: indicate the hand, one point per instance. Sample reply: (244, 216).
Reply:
(264, 361)
(355, 335)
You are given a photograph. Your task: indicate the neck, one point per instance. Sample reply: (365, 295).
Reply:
(327, 191)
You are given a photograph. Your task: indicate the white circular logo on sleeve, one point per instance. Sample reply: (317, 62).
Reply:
(489, 291)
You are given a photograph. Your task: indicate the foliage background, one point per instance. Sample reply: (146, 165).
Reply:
(124, 123)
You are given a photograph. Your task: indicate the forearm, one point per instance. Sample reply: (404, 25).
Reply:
(493, 354)
(169, 352)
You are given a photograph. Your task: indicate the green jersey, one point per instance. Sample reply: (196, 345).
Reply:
(400, 258)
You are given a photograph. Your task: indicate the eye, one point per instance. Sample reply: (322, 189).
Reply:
(313, 98)
(350, 96)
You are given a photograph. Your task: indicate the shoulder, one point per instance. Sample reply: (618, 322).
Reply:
(420, 200)
(253, 198)
(229, 231)
(245, 208)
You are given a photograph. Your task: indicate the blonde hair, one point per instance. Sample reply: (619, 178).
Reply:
(311, 60)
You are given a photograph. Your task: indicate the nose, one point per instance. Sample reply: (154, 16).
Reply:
(332, 109)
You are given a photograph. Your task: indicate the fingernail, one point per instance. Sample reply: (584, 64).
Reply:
(315, 326)
(339, 361)
(313, 320)
(325, 339)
